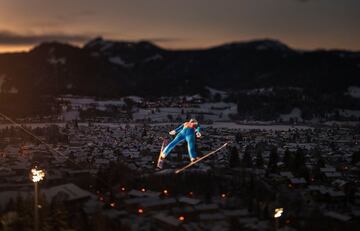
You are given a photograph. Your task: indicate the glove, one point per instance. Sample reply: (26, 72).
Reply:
(198, 134)
(173, 132)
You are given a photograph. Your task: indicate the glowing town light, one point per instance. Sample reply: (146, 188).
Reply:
(181, 218)
(113, 204)
(191, 193)
(123, 189)
(37, 175)
(278, 212)
(165, 191)
(223, 195)
(140, 211)
(143, 190)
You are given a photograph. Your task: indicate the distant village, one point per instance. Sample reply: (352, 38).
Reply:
(100, 170)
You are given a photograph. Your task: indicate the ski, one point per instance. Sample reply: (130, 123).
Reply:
(200, 159)
(164, 143)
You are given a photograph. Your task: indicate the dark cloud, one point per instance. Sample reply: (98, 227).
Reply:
(11, 38)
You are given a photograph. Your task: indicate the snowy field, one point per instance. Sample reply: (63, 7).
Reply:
(88, 102)
(209, 111)
(349, 113)
(219, 111)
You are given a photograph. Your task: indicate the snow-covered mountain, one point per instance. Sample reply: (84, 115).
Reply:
(115, 68)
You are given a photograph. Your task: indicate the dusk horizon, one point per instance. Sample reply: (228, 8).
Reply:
(26, 48)
(309, 25)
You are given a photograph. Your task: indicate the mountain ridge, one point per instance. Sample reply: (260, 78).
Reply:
(111, 69)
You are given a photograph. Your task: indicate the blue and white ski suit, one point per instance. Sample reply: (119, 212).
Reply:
(185, 132)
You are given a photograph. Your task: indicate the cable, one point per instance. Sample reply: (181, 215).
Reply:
(49, 146)
(36, 137)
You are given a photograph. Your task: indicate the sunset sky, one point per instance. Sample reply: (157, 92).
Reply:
(303, 24)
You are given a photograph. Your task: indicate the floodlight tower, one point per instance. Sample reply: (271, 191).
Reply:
(37, 175)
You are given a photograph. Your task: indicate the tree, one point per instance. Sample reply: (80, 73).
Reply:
(299, 162)
(234, 160)
(238, 137)
(273, 160)
(247, 158)
(288, 159)
(52, 133)
(355, 158)
(320, 162)
(259, 160)
(129, 104)
(299, 158)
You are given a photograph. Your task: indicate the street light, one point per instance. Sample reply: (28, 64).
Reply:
(277, 214)
(37, 175)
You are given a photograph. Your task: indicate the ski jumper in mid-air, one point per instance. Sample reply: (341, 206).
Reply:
(188, 131)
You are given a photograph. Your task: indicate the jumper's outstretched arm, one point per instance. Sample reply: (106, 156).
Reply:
(176, 130)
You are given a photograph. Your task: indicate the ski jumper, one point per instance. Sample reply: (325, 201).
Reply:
(186, 132)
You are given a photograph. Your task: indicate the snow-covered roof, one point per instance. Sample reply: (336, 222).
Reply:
(69, 192)
(188, 200)
(169, 220)
(338, 216)
(137, 193)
